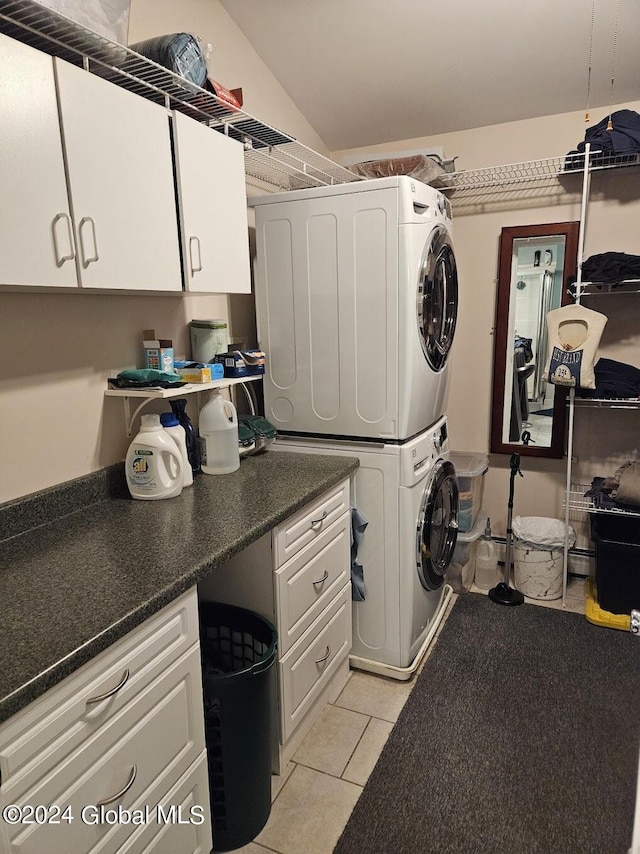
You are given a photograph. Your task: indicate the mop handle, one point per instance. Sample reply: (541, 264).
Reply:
(515, 469)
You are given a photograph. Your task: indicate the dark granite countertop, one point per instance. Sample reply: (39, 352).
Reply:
(71, 587)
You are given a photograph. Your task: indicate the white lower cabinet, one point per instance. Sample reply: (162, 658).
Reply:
(183, 828)
(298, 577)
(90, 761)
(306, 669)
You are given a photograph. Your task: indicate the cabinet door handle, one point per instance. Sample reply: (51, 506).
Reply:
(324, 657)
(123, 791)
(323, 579)
(60, 259)
(86, 259)
(107, 694)
(316, 524)
(192, 241)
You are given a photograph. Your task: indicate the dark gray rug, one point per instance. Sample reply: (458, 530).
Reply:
(520, 736)
(548, 412)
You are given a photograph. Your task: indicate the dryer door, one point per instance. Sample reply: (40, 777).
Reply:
(437, 528)
(437, 298)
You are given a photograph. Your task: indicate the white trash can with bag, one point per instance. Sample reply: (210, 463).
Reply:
(538, 553)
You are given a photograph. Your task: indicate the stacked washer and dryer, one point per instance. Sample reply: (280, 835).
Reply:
(356, 303)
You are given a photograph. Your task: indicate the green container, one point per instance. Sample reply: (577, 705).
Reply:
(238, 652)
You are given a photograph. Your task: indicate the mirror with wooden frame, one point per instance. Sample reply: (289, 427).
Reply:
(537, 264)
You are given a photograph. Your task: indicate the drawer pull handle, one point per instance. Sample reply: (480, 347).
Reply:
(317, 523)
(107, 694)
(323, 579)
(123, 791)
(324, 657)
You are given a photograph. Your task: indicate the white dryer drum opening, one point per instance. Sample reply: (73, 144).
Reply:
(437, 298)
(437, 528)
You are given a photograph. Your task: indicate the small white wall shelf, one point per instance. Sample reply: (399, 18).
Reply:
(145, 395)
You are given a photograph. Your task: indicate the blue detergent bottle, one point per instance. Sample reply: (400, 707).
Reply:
(179, 407)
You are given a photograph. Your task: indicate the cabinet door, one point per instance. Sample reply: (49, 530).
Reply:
(36, 242)
(213, 209)
(129, 764)
(120, 175)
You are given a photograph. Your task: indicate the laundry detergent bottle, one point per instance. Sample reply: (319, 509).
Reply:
(218, 426)
(179, 408)
(486, 560)
(153, 465)
(177, 432)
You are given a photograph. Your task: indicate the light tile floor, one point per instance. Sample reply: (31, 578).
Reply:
(314, 797)
(539, 426)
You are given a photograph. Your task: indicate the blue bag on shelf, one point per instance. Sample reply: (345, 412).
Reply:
(179, 52)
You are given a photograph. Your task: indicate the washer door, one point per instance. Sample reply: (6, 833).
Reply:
(437, 298)
(437, 528)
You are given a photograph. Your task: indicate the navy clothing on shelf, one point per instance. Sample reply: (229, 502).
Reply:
(613, 380)
(358, 524)
(611, 267)
(625, 135)
(609, 145)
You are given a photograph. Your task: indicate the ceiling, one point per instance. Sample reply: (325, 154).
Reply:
(365, 72)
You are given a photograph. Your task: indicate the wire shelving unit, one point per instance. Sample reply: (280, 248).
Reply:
(272, 157)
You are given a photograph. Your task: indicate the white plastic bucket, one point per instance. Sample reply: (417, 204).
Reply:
(538, 556)
(537, 570)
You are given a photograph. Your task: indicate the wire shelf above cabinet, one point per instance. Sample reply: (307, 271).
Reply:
(274, 160)
(272, 157)
(511, 176)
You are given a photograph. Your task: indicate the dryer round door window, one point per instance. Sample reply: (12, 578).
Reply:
(437, 527)
(437, 298)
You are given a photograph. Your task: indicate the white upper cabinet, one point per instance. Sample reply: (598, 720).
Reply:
(36, 240)
(119, 170)
(89, 187)
(213, 209)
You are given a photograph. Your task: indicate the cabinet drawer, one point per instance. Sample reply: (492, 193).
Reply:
(186, 833)
(39, 737)
(307, 524)
(136, 757)
(309, 665)
(309, 581)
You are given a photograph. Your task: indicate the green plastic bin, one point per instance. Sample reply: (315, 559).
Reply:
(238, 650)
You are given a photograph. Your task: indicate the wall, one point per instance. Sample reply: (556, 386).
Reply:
(603, 438)
(58, 349)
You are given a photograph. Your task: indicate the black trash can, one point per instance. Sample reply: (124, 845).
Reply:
(238, 651)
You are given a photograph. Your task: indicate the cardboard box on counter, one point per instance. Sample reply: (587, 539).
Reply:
(158, 352)
(197, 373)
(242, 363)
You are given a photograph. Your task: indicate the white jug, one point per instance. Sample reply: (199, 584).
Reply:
(486, 561)
(218, 427)
(153, 464)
